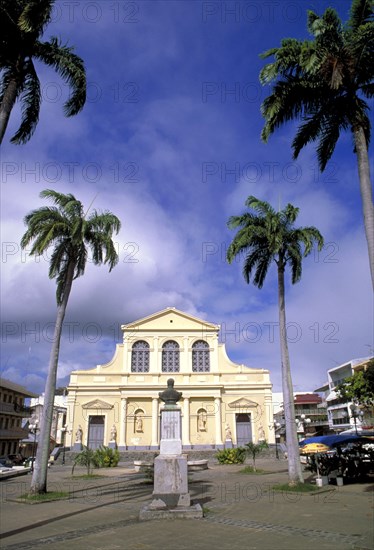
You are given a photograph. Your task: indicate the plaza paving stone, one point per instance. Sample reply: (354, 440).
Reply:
(241, 512)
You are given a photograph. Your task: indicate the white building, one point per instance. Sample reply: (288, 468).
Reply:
(341, 417)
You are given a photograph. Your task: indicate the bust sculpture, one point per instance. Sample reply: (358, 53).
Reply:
(170, 396)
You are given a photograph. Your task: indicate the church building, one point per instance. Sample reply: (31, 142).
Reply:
(117, 404)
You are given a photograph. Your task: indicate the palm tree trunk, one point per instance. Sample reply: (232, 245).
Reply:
(39, 478)
(294, 465)
(6, 106)
(366, 193)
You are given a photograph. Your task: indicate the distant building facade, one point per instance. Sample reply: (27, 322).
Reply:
(58, 418)
(12, 413)
(310, 415)
(119, 401)
(339, 411)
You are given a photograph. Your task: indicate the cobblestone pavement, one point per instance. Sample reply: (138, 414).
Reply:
(240, 512)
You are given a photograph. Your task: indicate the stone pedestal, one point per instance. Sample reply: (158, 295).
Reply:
(170, 481)
(112, 445)
(78, 447)
(171, 498)
(171, 441)
(228, 444)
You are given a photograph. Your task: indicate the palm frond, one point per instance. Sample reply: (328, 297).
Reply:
(35, 15)
(71, 69)
(63, 226)
(360, 13)
(31, 99)
(270, 236)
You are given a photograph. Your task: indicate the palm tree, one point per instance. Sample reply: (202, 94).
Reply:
(324, 83)
(22, 24)
(267, 237)
(70, 231)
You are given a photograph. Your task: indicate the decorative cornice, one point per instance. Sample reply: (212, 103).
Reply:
(97, 404)
(242, 403)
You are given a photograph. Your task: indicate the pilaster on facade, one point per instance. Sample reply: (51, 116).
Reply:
(186, 423)
(155, 421)
(123, 423)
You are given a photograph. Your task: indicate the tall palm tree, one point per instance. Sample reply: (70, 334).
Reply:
(264, 238)
(325, 83)
(22, 23)
(70, 231)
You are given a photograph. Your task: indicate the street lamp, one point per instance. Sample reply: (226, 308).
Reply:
(355, 413)
(63, 435)
(276, 426)
(301, 422)
(33, 429)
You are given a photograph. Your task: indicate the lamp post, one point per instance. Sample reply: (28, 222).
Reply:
(301, 422)
(355, 413)
(63, 435)
(33, 429)
(276, 426)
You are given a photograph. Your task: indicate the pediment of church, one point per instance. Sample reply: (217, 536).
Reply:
(242, 403)
(97, 404)
(171, 319)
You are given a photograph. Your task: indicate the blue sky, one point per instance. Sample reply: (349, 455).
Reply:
(169, 141)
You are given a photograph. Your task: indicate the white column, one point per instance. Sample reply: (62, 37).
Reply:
(185, 357)
(218, 422)
(186, 422)
(123, 422)
(154, 359)
(154, 442)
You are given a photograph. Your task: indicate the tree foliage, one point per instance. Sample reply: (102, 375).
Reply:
(359, 387)
(265, 237)
(22, 25)
(326, 83)
(254, 449)
(70, 231)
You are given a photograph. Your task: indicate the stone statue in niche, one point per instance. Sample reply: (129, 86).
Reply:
(201, 422)
(79, 434)
(113, 433)
(228, 433)
(261, 433)
(138, 423)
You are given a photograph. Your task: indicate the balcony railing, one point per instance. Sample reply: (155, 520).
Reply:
(307, 412)
(14, 408)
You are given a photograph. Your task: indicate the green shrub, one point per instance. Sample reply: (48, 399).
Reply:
(85, 458)
(253, 449)
(231, 456)
(105, 457)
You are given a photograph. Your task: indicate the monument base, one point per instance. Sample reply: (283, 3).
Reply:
(78, 447)
(112, 445)
(181, 512)
(171, 498)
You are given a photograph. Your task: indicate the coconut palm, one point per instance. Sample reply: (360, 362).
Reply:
(325, 83)
(22, 23)
(70, 231)
(264, 237)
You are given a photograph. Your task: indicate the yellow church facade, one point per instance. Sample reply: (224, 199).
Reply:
(117, 404)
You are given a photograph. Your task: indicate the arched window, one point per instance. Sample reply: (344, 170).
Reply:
(170, 356)
(140, 356)
(200, 357)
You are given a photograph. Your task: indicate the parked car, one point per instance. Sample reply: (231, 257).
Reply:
(5, 462)
(31, 461)
(16, 459)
